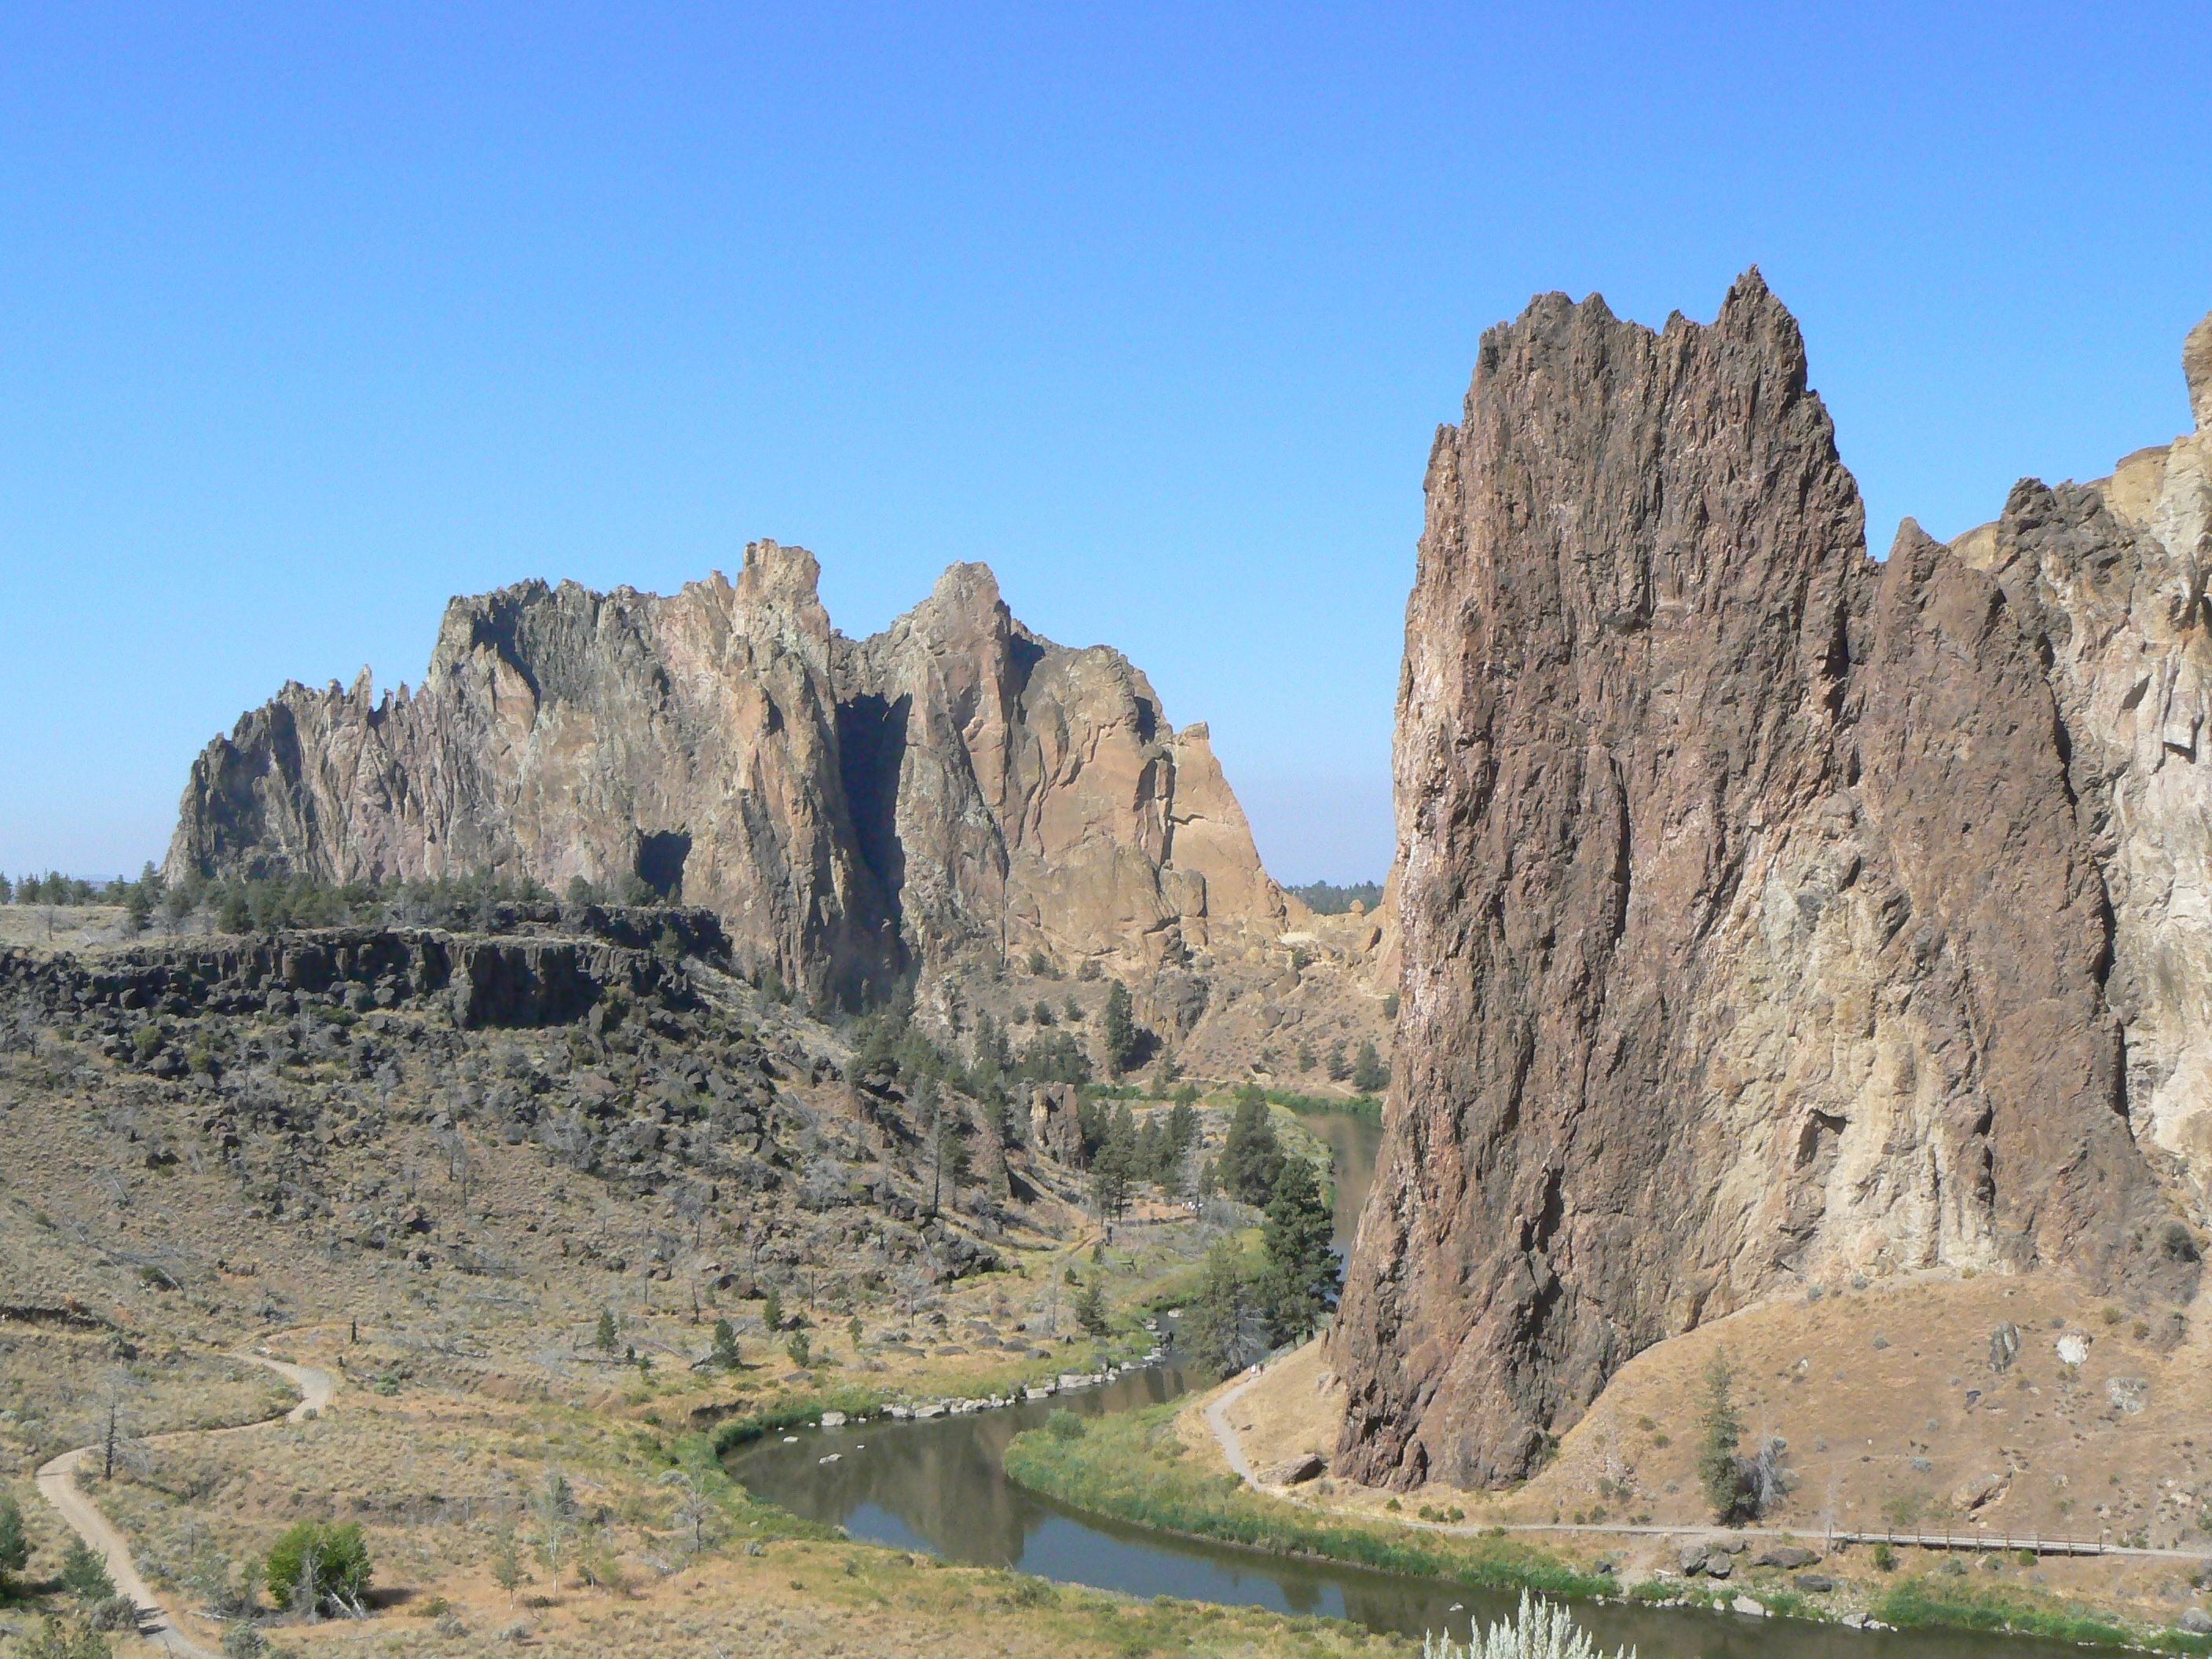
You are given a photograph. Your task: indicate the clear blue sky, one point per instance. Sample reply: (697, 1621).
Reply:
(312, 317)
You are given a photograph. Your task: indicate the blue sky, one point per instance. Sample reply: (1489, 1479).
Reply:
(312, 317)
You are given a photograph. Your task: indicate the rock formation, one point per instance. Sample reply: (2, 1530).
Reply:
(850, 808)
(1767, 912)
(527, 978)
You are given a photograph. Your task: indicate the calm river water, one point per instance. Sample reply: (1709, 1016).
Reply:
(940, 1486)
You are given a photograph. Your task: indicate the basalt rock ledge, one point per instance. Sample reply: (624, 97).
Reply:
(1769, 912)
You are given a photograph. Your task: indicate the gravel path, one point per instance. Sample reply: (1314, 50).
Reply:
(1217, 1418)
(57, 1485)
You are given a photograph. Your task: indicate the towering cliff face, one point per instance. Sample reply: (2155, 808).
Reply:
(1016, 792)
(2108, 578)
(1754, 927)
(849, 807)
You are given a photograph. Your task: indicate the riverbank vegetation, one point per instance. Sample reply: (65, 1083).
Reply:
(1938, 1602)
(1130, 1468)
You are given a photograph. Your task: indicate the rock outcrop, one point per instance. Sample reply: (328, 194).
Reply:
(1757, 899)
(850, 808)
(535, 976)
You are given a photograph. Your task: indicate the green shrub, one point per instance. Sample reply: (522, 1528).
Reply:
(15, 1543)
(1063, 1426)
(1918, 1602)
(317, 1560)
(84, 1572)
(55, 1640)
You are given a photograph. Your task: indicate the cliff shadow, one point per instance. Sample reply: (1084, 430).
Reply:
(871, 754)
(661, 858)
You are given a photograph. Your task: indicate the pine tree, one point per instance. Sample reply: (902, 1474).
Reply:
(726, 1344)
(1720, 1471)
(1250, 1158)
(1118, 1031)
(1155, 1153)
(84, 1572)
(1216, 1326)
(1300, 1281)
(1109, 1183)
(1090, 1309)
(1182, 1126)
(1368, 1074)
(605, 1335)
(15, 1543)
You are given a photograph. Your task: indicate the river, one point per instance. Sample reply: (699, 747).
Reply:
(940, 1486)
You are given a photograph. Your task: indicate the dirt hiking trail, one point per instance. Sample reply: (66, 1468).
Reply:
(57, 1485)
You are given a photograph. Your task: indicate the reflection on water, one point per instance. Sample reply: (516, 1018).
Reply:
(1352, 1143)
(940, 1486)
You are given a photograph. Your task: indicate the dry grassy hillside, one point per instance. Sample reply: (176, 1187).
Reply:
(361, 1171)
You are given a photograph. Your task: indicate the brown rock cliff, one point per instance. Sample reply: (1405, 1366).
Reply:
(1751, 930)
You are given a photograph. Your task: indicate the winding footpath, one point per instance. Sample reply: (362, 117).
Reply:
(57, 1485)
(1217, 1418)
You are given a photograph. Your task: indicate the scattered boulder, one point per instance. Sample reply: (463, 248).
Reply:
(2196, 1621)
(2004, 1347)
(1719, 1567)
(1787, 1556)
(2128, 1394)
(1295, 1471)
(1814, 1584)
(1748, 1607)
(2073, 1348)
